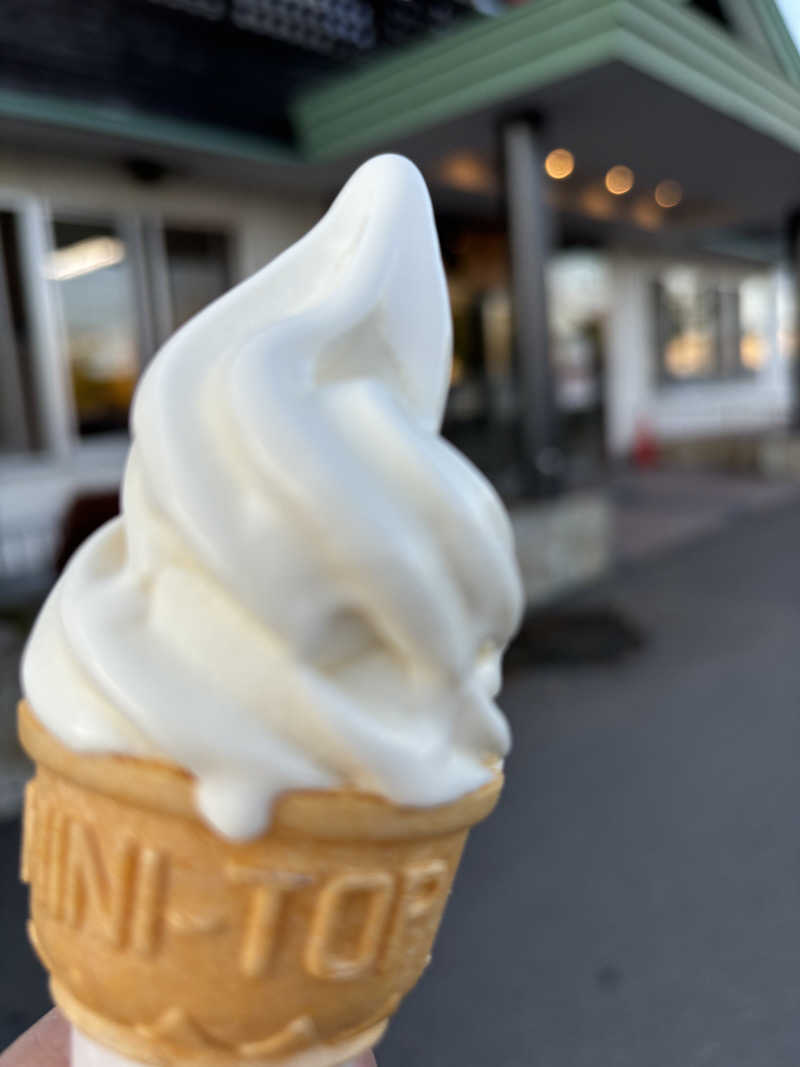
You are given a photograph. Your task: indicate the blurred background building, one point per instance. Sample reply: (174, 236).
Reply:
(615, 185)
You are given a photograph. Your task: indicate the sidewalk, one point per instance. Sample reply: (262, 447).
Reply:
(658, 510)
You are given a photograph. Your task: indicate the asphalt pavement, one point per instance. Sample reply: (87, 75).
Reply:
(635, 900)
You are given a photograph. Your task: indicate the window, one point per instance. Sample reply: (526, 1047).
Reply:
(687, 321)
(198, 270)
(754, 321)
(17, 418)
(708, 328)
(483, 406)
(110, 317)
(579, 290)
(92, 271)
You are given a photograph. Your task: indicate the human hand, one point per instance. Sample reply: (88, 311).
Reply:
(46, 1044)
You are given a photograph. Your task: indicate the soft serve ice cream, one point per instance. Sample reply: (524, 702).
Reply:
(307, 586)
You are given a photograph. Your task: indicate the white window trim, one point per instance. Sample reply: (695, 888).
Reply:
(54, 399)
(49, 375)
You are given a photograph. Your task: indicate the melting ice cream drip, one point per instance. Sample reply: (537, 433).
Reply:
(308, 586)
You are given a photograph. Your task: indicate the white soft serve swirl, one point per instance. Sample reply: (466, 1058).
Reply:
(307, 586)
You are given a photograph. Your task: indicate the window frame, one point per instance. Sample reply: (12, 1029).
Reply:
(125, 227)
(230, 234)
(51, 389)
(724, 285)
(143, 232)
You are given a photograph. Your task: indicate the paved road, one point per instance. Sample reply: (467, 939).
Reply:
(635, 902)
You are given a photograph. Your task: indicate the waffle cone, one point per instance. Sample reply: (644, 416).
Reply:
(173, 945)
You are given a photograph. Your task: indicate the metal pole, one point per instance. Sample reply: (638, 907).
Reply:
(529, 242)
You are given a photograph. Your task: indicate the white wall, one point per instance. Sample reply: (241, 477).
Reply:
(685, 409)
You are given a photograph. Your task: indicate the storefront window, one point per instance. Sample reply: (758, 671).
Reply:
(687, 316)
(579, 289)
(483, 406)
(106, 311)
(754, 313)
(92, 271)
(198, 268)
(710, 328)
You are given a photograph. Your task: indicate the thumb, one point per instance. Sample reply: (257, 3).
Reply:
(46, 1044)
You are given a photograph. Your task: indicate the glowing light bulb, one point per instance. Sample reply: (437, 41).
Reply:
(619, 180)
(560, 163)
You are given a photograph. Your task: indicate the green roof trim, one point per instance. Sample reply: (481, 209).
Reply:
(493, 60)
(748, 27)
(710, 66)
(782, 43)
(138, 126)
(488, 60)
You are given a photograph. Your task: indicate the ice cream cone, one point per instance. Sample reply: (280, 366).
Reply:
(171, 944)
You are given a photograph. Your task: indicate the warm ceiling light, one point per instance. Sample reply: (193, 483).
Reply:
(468, 173)
(668, 193)
(83, 257)
(560, 163)
(619, 180)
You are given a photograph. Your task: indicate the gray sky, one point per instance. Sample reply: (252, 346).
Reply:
(791, 12)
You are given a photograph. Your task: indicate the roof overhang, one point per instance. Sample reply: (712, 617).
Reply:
(652, 84)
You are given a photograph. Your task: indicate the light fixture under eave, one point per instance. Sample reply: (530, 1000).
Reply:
(619, 180)
(468, 173)
(668, 193)
(559, 163)
(83, 257)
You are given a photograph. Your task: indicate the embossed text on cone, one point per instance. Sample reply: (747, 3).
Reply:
(174, 945)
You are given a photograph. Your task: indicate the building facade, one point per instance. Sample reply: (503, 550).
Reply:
(614, 185)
